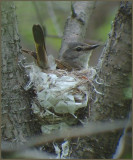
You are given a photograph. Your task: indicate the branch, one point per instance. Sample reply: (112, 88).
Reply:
(77, 22)
(113, 74)
(114, 70)
(88, 130)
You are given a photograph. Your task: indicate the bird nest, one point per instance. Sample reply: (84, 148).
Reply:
(59, 94)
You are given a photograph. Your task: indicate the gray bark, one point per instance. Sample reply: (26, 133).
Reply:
(76, 24)
(17, 123)
(114, 69)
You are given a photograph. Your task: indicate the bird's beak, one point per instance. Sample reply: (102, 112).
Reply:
(93, 46)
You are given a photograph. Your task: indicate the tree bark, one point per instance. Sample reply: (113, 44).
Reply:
(76, 24)
(17, 123)
(114, 69)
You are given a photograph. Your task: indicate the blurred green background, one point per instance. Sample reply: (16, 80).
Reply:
(53, 14)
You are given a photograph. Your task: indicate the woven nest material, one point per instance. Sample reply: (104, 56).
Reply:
(59, 92)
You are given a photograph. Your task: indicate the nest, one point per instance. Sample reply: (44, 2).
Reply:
(59, 93)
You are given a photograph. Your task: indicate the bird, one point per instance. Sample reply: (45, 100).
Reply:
(75, 57)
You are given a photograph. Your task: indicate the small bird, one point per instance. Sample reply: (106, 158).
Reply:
(75, 57)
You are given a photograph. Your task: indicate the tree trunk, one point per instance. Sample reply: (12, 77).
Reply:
(17, 123)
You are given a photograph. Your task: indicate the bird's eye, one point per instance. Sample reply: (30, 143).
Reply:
(78, 48)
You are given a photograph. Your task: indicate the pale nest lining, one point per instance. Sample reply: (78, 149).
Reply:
(63, 91)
